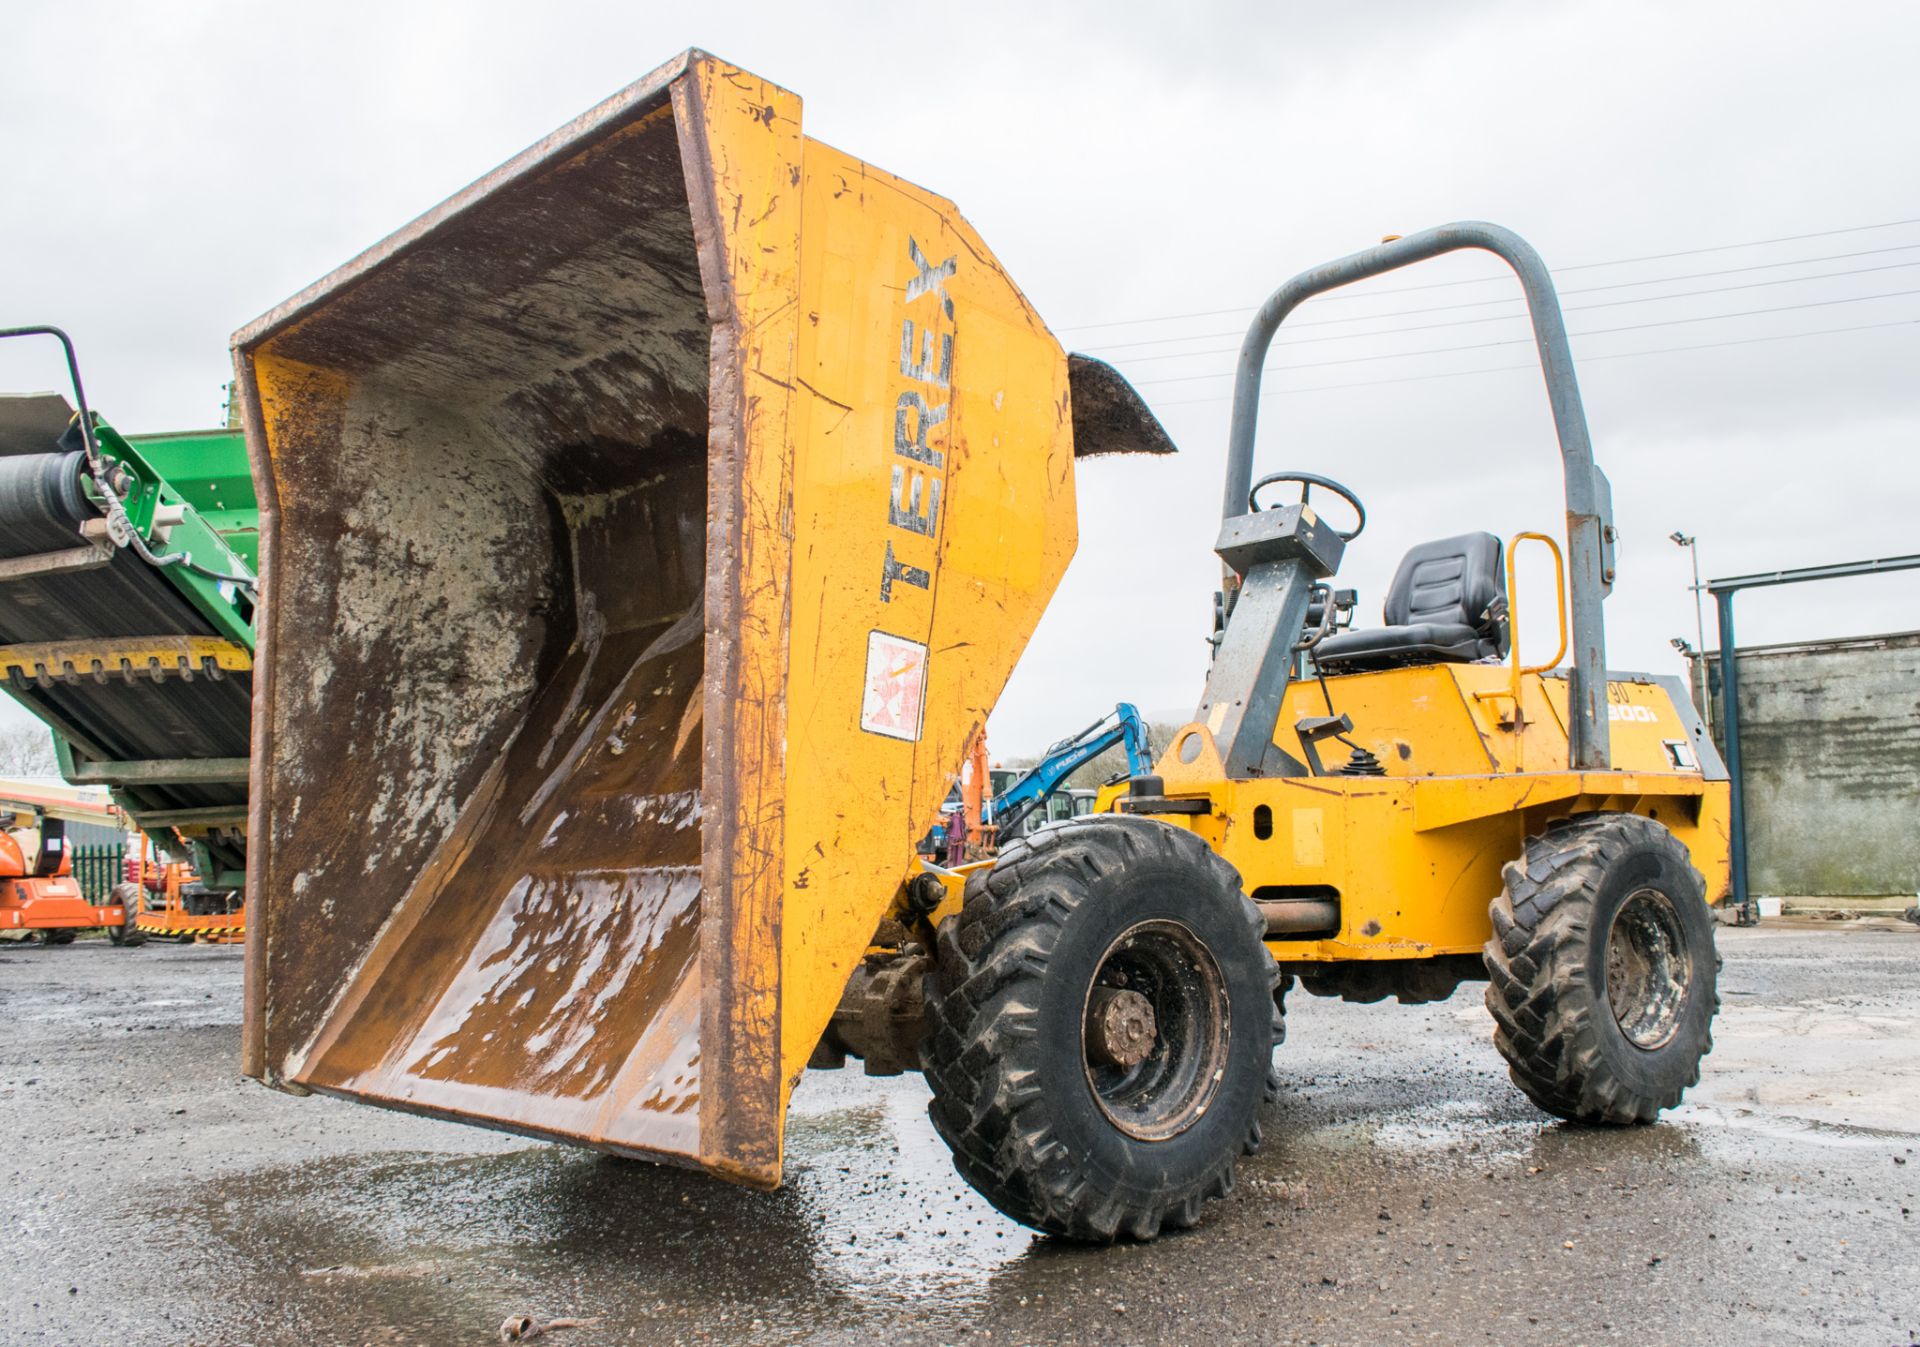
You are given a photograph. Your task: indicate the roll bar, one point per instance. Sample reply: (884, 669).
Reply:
(1589, 504)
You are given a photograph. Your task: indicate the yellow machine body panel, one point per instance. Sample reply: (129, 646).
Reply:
(646, 530)
(931, 438)
(1414, 856)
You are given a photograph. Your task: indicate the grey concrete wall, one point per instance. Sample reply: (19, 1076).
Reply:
(1830, 748)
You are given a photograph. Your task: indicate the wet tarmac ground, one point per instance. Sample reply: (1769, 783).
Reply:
(150, 1195)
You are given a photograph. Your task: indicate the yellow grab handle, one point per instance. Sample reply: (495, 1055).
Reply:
(1513, 605)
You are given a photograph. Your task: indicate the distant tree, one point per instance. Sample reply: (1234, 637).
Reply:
(27, 750)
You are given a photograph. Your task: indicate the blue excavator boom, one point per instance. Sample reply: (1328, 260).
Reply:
(1122, 726)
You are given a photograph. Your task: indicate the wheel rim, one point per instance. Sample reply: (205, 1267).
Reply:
(1649, 968)
(1155, 1030)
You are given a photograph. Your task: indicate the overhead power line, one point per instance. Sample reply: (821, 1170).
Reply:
(1514, 317)
(1527, 341)
(1273, 390)
(1481, 280)
(1518, 299)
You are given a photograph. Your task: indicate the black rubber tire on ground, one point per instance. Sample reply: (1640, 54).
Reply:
(59, 937)
(1602, 970)
(128, 896)
(1104, 901)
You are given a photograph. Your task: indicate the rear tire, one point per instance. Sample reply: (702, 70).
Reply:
(1102, 1019)
(60, 937)
(1602, 971)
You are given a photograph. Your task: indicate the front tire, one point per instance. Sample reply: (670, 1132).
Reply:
(1102, 1019)
(1602, 971)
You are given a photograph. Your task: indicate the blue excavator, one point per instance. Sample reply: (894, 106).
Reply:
(1009, 808)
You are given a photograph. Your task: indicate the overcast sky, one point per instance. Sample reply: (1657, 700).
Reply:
(178, 169)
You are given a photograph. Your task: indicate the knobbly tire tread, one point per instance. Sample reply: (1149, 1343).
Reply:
(1546, 1005)
(129, 935)
(980, 1054)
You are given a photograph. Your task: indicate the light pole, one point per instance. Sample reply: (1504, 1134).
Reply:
(1699, 626)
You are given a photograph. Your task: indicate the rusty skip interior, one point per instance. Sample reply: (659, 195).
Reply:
(491, 479)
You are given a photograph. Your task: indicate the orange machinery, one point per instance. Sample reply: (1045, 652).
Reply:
(975, 790)
(38, 892)
(175, 906)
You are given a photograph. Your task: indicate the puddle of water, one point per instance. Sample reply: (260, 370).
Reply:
(872, 1219)
(1787, 1127)
(1432, 1129)
(895, 1220)
(1459, 1134)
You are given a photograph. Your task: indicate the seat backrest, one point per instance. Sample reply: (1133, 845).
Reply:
(1452, 581)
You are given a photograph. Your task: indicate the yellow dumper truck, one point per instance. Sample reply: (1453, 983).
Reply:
(647, 530)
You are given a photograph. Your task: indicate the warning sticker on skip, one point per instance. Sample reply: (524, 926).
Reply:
(896, 691)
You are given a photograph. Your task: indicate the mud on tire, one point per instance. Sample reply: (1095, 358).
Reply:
(1602, 970)
(1050, 1129)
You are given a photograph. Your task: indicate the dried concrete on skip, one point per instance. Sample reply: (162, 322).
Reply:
(1406, 1192)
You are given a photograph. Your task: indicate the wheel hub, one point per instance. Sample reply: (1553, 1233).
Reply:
(1155, 1030)
(1120, 1027)
(1649, 968)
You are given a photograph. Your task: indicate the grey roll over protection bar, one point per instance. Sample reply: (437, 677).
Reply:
(1589, 504)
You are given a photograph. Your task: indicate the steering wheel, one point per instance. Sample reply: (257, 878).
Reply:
(1308, 481)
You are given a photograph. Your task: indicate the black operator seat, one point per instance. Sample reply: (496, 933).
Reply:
(1447, 605)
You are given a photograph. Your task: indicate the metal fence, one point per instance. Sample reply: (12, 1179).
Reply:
(98, 868)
